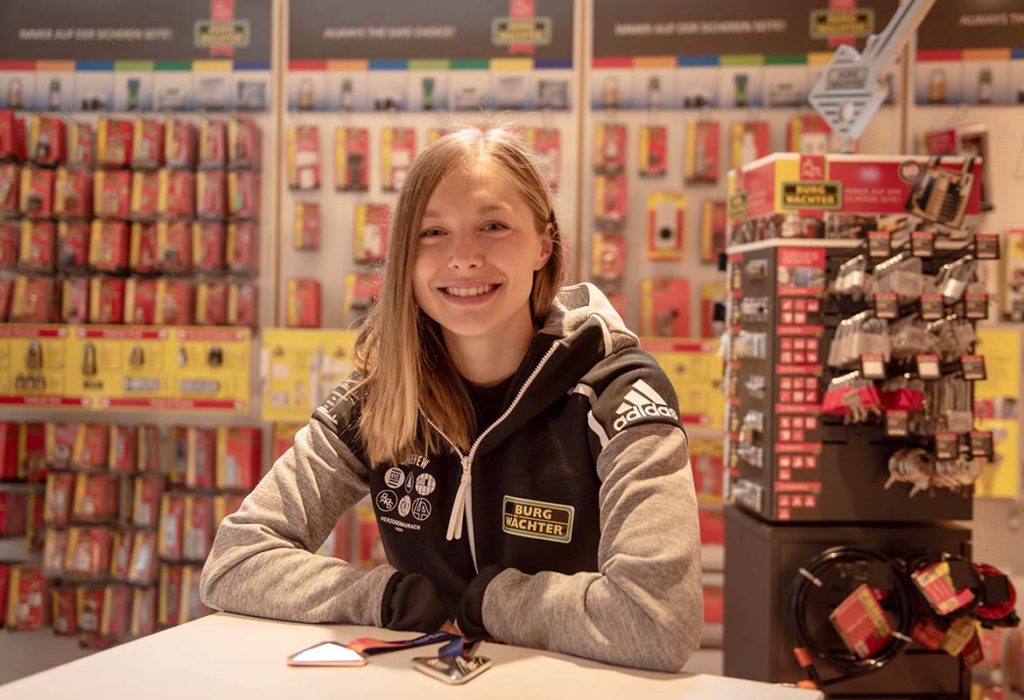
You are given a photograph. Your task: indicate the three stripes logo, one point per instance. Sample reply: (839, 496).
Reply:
(639, 402)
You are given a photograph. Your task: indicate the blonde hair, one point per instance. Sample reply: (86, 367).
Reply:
(408, 377)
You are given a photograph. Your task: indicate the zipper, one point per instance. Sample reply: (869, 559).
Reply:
(462, 509)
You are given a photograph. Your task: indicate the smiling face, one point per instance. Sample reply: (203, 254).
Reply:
(476, 250)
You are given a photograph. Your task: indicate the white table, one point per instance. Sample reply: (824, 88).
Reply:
(234, 656)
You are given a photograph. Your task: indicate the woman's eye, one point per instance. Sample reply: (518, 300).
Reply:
(495, 226)
(431, 233)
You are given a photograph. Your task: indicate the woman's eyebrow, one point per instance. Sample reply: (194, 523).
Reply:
(485, 209)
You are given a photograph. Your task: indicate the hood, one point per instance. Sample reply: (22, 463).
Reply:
(576, 306)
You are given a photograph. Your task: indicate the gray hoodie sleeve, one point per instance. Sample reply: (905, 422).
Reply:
(263, 561)
(644, 605)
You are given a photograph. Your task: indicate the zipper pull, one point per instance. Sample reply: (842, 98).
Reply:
(459, 507)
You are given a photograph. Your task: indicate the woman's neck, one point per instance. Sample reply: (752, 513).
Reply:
(486, 360)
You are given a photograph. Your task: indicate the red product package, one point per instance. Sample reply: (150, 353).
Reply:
(73, 245)
(33, 300)
(397, 151)
(12, 139)
(123, 443)
(169, 600)
(62, 611)
(114, 142)
(242, 305)
(81, 145)
(38, 248)
(211, 194)
(88, 552)
(37, 192)
(121, 553)
(109, 245)
(10, 180)
(174, 302)
(142, 251)
(211, 303)
(370, 242)
(13, 513)
(149, 452)
(172, 514)
(243, 195)
(143, 619)
(180, 144)
(243, 144)
(88, 607)
(242, 250)
(74, 192)
(748, 142)
(306, 227)
(547, 144)
(32, 452)
(609, 256)
(303, 304)
(238, 457)
(148, 143)
(198, 527)
(60, 442)
(92, 446)
(34, 529)
(117, 610)
(6, 292)
(351, 159)
(177, 194)
(74, 300)
(106, 300)
(26, 598)
(112, 193)
(713, 221)
(303, 157)
(10, 434)
(610, 198)
(212, 144)
(202, 454)
(610, 148)
(192, 606)
(10, 232)
(665, 308)
(146, 500)
(208, 246)
(46, 140)
(174, 246)
(361, 290)
(653, 159)
(179, 459)
(96, 497)
(140, 301)
(862, 623)
(702, 151)
(142, 567)
(55, 547)
(145, 194)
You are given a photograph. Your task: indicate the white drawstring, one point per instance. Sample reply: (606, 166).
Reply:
(459, 507)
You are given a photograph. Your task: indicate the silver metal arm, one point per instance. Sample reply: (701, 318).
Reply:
(851, 89)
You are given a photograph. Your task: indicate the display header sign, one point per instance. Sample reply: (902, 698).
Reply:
(737, 27)
(973, 24)
(399, 30)
(123, 30)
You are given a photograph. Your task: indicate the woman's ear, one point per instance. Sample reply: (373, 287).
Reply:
(547, 245)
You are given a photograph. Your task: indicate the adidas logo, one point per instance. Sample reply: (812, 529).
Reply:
(641, 400)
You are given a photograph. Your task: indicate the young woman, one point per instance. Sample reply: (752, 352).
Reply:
(524, 457)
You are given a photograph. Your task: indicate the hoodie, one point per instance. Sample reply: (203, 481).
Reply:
(569, 525)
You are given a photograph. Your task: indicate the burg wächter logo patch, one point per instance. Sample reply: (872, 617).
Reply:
(639, 402)
(537, 519)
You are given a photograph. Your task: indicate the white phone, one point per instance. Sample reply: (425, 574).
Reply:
(327, 654)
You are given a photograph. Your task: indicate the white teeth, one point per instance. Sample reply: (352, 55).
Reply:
(469, 291)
